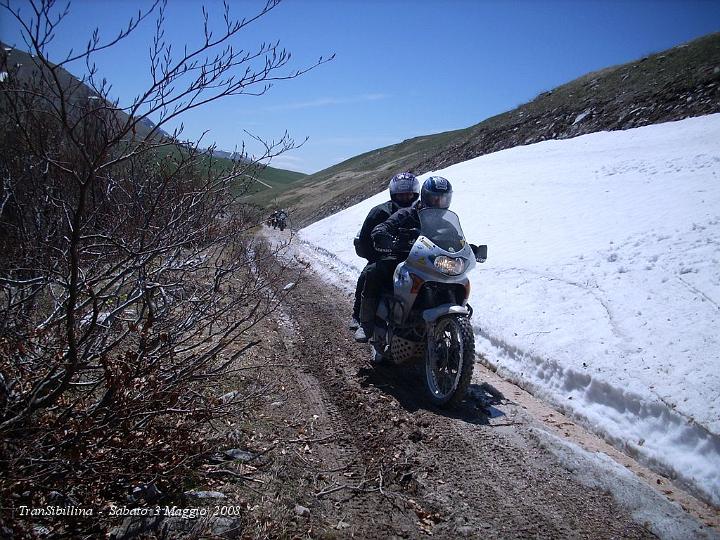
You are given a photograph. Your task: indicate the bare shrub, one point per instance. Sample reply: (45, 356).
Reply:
(129, 277)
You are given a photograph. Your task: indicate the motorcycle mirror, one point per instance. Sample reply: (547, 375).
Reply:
(480, 252)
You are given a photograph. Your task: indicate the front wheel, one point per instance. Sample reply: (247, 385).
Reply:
(449, 360)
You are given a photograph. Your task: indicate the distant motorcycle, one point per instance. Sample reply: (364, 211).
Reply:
(426, 316)
(277, 220)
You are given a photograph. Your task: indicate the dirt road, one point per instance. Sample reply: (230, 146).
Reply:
(404, 470)
(354, 450)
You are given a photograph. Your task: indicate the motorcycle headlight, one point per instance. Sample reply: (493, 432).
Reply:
(450, 265)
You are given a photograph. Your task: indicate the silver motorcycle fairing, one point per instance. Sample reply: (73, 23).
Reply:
(420, 264)
(433, 314)
(395, 308)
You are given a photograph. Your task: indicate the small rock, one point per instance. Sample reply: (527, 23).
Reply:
(56, 497)
(59, 499)
(227, 398)
(289, 286)
(39, 530)
(149, 492)
(204, 494)
(240, 455)
(342, 525)
(465, 530)
(301, 510)
(224, 526)
(134, 527)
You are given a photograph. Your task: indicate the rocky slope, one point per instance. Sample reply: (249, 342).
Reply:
(676, 84)
(672, 85)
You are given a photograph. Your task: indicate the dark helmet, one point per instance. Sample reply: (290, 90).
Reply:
(436, 192)
(404, 189)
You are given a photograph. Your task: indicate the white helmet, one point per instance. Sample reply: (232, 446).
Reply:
(404, 189)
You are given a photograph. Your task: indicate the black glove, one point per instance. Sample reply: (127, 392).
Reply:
(406, 238)
(411, 231)
(383, 243)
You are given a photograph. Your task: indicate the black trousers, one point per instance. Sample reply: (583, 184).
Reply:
(377, 276)
(359, 290)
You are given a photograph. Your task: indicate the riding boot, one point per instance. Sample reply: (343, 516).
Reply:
(359, 288)
(368, 307)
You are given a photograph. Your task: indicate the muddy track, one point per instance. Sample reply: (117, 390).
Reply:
(400, 468)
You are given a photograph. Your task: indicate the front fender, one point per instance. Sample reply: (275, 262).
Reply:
(432, 315)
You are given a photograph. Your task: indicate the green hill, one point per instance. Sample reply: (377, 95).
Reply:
(267, 184)
(22, 66)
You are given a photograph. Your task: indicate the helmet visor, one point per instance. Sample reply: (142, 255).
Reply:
(438, 200)
(405, 199)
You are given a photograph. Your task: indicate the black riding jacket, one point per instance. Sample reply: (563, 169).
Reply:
(395, 236)
(375, 217)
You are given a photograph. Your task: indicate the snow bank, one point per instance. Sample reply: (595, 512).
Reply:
(667, 520)
(602, 288)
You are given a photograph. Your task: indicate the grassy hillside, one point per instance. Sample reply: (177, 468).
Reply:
(279, 180)
(23, 66)
(341, 185)
(671, 85)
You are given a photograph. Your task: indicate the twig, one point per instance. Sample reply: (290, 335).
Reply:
(303, 366)
(221, 472)
(354, 489)
(322, 439)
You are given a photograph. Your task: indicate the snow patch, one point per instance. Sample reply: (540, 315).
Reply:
(580, 117)
(601, 291)
(656, 428)
(597, 470)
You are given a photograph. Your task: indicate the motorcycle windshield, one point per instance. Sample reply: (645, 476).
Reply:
(442, 228)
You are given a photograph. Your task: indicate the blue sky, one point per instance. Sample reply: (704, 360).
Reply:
(402, 68)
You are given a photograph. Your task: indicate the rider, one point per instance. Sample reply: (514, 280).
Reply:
(404, 190)
(273, 218)
(394, 237)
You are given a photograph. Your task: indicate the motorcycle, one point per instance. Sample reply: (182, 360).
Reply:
(426, 316)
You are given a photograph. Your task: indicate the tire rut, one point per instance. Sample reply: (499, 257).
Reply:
(448, 474)
(341, 457)
(337, 453)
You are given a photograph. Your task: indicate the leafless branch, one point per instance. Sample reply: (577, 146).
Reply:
(130, 276)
